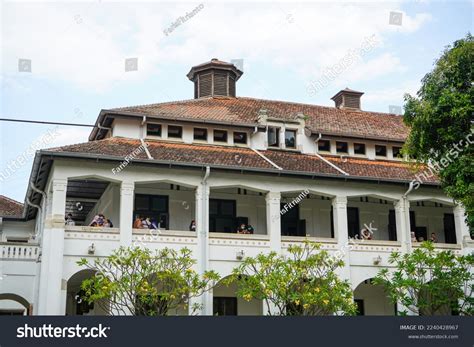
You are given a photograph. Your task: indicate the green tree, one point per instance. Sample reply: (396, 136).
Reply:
(430, 282)
(441, 118)
(138, 281)
(303, 283)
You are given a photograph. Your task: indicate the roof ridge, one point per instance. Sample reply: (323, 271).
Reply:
(254, 99)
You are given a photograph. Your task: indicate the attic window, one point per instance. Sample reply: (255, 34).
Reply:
(324, 145)
(397, 152)
(273, 137)
(220, 136)
(290, 138)
(341, 147)
(200, 134)
(153, 129)
(380, 151)
(175, 131)
(240, 137)
(359, 148)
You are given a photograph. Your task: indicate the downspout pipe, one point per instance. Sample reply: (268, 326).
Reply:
(204, 239)
(407, 221)
(40, 209)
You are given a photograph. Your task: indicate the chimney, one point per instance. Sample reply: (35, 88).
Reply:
(348, 98)
(214, 78)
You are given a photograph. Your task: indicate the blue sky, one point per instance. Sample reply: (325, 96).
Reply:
(78, 51)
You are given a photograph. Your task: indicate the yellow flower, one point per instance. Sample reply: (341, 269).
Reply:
(297, 302)
(317, 290)
(305, 306)
(247, 297)
(325, 301)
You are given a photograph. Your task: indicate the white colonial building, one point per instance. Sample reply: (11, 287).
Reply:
(222, 160)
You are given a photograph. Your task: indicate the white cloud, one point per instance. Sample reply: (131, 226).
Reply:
(85, 44)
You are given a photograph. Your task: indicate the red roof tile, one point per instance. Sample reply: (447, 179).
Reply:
(10, 207)
(246, 158)
(241, 110)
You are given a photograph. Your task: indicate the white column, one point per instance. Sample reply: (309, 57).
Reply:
(52, 250)
(272, 200)
(202, 234)
(126, 213)
(462, 229)
(339, 211)
(402, 220)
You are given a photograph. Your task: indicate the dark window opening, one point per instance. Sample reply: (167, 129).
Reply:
(225, 306)
(324, 145)
(153, 129)
(290, 138)
(360, 307)
(359, 148)
(291, 224)
(154, 207)
(222, 216)
(392, 226)
(449, 229)
(353, 221)
(220, 136)
(341, 147)
(273, 137)
(175, 131)
(200, 134)
(380, 151)
(397, 152)
(240, 137)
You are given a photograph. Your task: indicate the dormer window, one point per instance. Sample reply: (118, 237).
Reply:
(200, 134)
(359, 148)
(380, 151)
(273, 137)
(342, 147)
(220, 136)
(153, 130)
(290, 138)
(175, 131)
(324, 146)
(240, 138)
(397, 152)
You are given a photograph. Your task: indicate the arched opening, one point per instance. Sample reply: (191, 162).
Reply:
(164, 206)
(371, 217)
(372, 300)
(14, 305)
(432, 220)
(237, 210)
(75, 304)
(306, 214)
(87, 198)
(226, 303)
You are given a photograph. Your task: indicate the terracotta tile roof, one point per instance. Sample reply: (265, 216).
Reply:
(10, 207)
(245, 158)
(241, 110)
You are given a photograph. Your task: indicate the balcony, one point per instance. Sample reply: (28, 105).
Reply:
(18, 251)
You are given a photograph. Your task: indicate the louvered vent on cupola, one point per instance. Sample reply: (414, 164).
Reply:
(214, 78)
(348, 98)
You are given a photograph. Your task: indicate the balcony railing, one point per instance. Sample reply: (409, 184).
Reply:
(18, 251)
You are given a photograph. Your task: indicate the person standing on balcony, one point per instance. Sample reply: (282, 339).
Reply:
(137, 224)
(69, 220)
